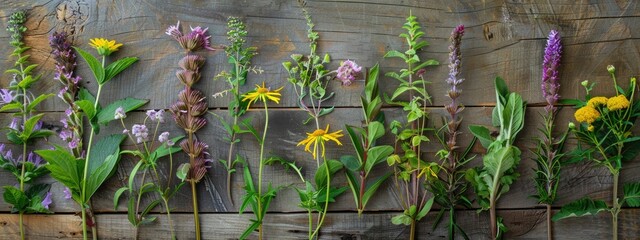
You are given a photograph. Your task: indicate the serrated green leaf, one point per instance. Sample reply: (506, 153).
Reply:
(100, 175)
(632, 194)
(87, 108)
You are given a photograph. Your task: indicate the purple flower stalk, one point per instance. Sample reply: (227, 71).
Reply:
(550, 64)
(454, 80)
(347, 72)
(65, 57)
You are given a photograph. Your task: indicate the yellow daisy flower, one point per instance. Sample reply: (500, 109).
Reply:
(617, 103)
(263, 94)
(597, 101)
(587, 114)
(320, 136)
(104, 46)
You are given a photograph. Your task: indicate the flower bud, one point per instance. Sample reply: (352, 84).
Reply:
(611, 69)
(572, 125)
(585, 83)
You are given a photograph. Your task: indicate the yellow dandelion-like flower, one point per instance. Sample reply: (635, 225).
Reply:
(263, 93)
(104, 46)
(597, 101)
(587, 114)
(617, 103)
(320, 136)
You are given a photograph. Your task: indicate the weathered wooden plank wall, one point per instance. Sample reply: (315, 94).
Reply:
(503, 38)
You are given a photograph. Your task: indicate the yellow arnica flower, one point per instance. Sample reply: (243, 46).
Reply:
(617, 103)
(597, 101)
(587, 114)
(320, 136)
(262, 93)
(104, 46)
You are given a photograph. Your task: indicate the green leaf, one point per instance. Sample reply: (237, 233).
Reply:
(354, 134)
(84, 94)
(371, 190)
(15, 197)
(424, 64)
(350, 162)
(128, 104)
(376, 155)
(354, 185)
(116, 67)
(394, 53)
(632, 194)
(254, 225)
(579, 208)
(483, 134)
(109, 145)
(29, 125)
(182, 171)
(321, 173)
(371, 84)
(32, 105)
(425, 209)
(99, 175)
(116, 197)
(11, 106)
(64, 167)
(95, 66)
(87, 108)
(375, 130)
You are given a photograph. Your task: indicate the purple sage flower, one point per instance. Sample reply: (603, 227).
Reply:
(14, 124)
(120, 114)
(163, 137)
(6, 96)
(453, 108)
(67, 193)
(140, 132)
(550, 64)
(347, 72)
(47, 200)
(35, 159)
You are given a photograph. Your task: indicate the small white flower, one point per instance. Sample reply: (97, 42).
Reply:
(120, 114)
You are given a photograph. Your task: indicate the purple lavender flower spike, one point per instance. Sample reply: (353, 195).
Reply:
(6, 96)
(47, 200)
(550, 64)
(347, 72)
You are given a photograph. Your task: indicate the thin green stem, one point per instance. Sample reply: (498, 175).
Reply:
(84, 221)
(260, 214)
(166, 207)
(24, 145)
(326, 203)
(616, 205)
(21, 225)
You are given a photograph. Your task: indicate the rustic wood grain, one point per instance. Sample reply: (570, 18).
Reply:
(503, 38)
(522, 224)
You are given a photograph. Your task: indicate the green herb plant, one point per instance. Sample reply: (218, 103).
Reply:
(605, 137)
(25, 128)
(498, 170)
(149, 152)
(410, 170)
(239, 56)
(368, 153)
(84, 176)
(308, 78)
